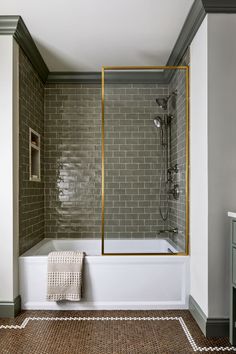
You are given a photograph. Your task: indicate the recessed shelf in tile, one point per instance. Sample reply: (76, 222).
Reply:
(34, 156)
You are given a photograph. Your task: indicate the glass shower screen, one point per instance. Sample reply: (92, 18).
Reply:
(145, 160)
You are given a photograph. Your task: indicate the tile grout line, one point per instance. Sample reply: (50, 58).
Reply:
(179, 319)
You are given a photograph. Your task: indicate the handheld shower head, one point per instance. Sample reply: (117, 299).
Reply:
(158, 121)
(163, 123)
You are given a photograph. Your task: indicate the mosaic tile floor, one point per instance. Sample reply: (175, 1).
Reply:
(106, 332)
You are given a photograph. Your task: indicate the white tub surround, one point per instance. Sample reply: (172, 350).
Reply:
(231, 214)
(93, 247)
(110, 282)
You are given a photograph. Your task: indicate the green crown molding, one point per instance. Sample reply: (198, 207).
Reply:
(191, 25)
(60, 77)
(219, 6)
(196, 15)
(112, 77)
(14, 25)
(8, 24)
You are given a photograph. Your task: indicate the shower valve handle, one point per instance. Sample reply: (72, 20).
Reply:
(175, 191)
(174, 168)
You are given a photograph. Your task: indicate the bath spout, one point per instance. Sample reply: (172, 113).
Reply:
(173, 231)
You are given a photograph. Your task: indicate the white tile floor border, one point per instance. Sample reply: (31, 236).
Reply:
(192, 342)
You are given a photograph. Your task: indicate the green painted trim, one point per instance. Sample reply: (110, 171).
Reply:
(217, 327)
(56, 77)
(124, 77)
(8, 24)
(232, 292)
(10, 309)
(14, 25)
(191, 25)
(219, 6)
(210, 327)
(196, 15)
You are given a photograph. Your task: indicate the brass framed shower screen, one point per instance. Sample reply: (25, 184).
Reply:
(136, 68)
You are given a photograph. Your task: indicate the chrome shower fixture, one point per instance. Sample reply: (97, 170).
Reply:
(174, 169)
(170, 171)
(163, 123)
(174, 230)
(162, 102)
(158, 121)
(175, 191)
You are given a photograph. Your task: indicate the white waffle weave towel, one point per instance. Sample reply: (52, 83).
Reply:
(65, 275)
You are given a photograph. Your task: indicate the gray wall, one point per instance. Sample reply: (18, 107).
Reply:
(221, 154)
(213, 193)
(31, 194)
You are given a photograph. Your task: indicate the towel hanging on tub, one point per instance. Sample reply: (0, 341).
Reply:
(65, 276)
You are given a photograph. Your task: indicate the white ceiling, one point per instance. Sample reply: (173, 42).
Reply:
(83, 35)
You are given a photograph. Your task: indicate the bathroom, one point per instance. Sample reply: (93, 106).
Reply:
(132, 164)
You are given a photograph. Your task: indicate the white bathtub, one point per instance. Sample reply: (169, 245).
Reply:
(110, 282)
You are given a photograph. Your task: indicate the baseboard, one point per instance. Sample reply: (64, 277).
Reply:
(217, 327)
(197, 314)
(211, 327)
(97, 305)
(10, 309)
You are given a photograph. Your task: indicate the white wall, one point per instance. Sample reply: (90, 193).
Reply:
(222, 152)
(8, 147)
(15, 144)
(198, 169)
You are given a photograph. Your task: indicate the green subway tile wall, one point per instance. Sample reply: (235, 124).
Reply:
(73, 161)
(177, 217)
(133, 157)
(67, 202)
(31, 194)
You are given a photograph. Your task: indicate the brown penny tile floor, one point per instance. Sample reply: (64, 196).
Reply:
(103, 337)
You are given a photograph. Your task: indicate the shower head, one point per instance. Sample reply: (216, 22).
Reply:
(158, 121)
(162, 102)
